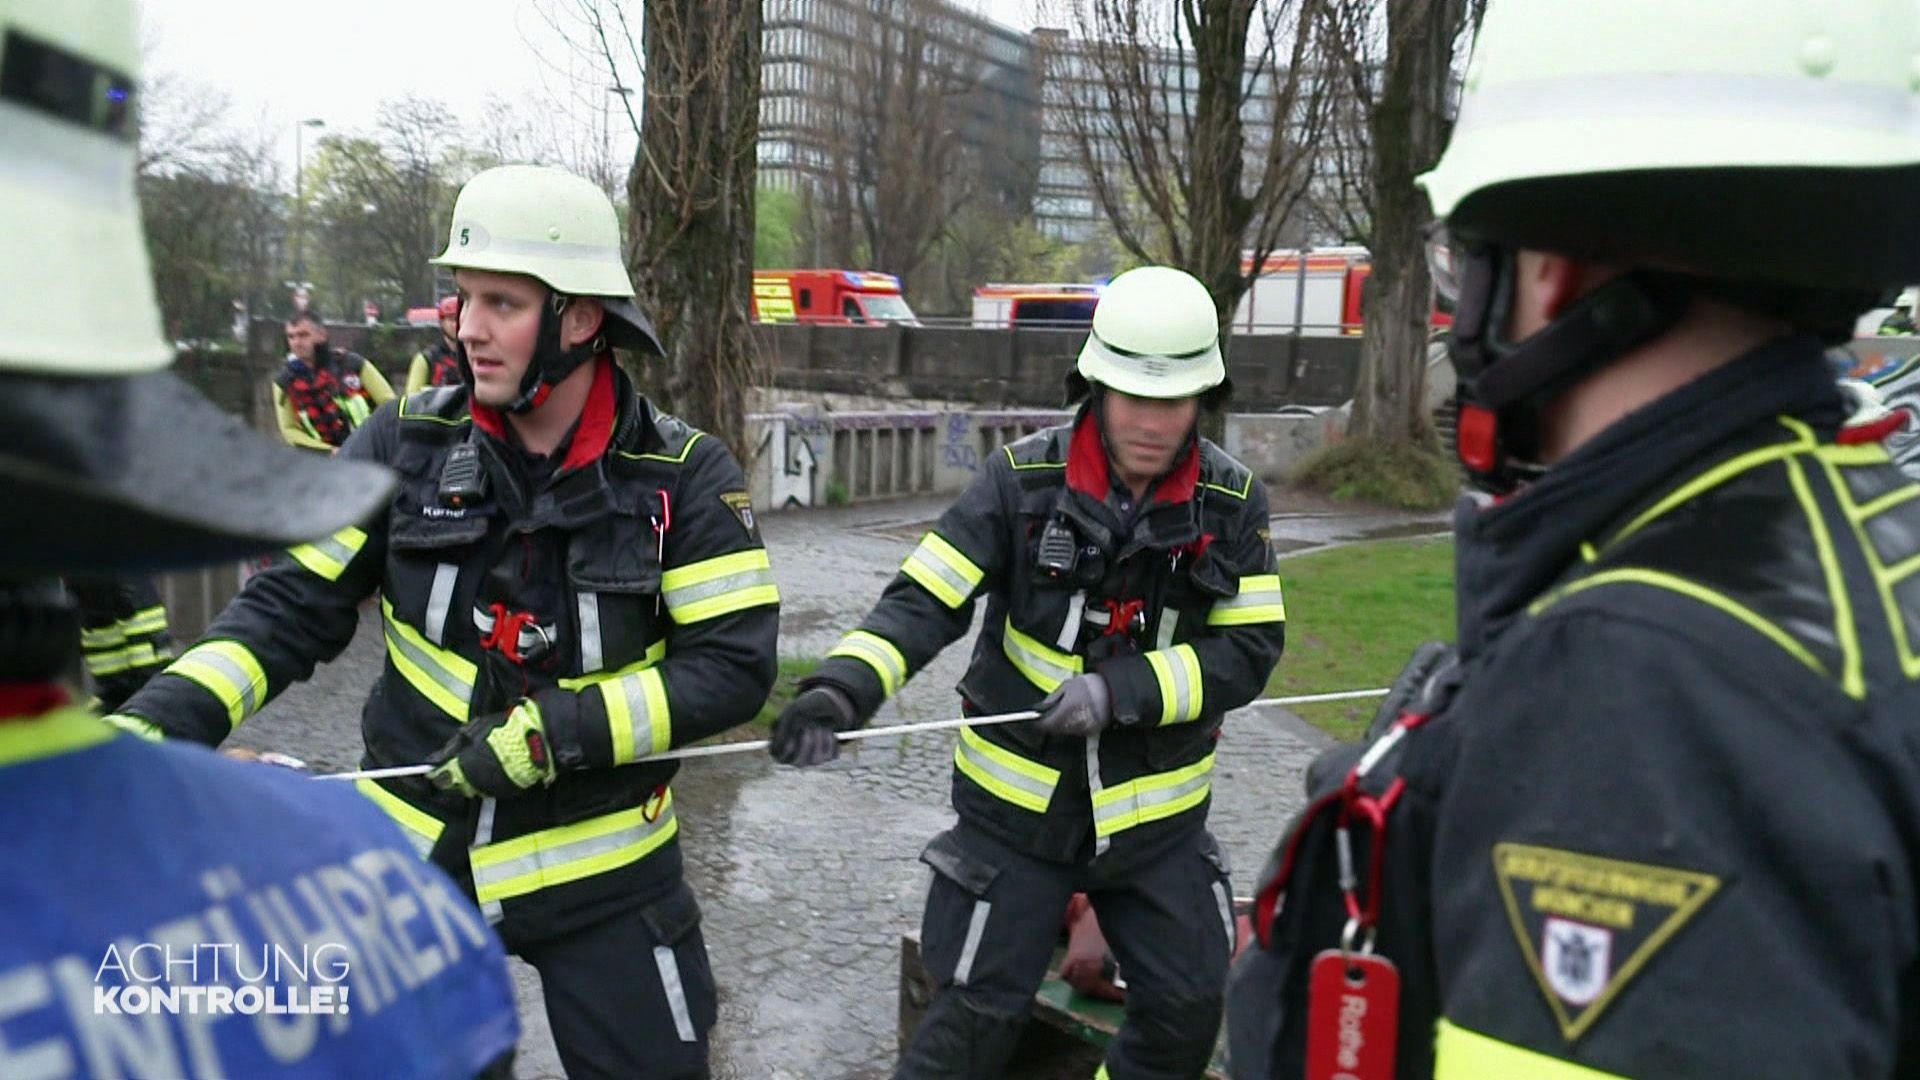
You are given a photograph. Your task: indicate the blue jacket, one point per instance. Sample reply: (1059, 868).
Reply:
(169, 911)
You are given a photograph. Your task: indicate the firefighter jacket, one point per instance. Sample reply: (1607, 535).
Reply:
(123, 632)
(627, 594)
(1176, 603)
(436, 365)
(319, 409)
(1669, 823)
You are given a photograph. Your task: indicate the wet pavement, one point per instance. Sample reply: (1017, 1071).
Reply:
(808, 879)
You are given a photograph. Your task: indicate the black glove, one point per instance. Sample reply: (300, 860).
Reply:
(804, 734)
(1424, 685)
(1081, 706)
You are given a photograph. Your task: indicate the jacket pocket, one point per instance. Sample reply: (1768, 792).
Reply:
(617, 554)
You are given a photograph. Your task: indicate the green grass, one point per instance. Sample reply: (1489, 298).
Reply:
(1354, 616)
(1402, 474)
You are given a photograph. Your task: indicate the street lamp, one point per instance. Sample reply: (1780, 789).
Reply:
(300, 195)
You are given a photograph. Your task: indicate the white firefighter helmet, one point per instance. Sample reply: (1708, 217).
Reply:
(1155, 335)
(110, 463)
(1776, 141)
(552, 226)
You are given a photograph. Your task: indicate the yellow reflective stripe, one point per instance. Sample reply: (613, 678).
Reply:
(1177, 671)
(1245, 488)
(145, 621)
(138, 727)
(228, 671)
(106, 637)
(674, 458)
(101, 664)
(1008, 450)
(877, 653)
(57, 732)
(1026, 784)
(423, 829)
(656, 652)
(1043, 665)
(1710, 597)
(1852, 678)
(942, 570)
(329, 558)
(537, 860)
(1260, 600)
(1152, 797)
(1463, 1054)
(637, 715)
(442, 677)
(1712, 478)
(1886, 502)
(716, 587)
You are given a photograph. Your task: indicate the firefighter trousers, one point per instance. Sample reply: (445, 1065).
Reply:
(632, 996)
(993, 918)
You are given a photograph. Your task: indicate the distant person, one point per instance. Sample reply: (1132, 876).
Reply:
(124, 635)
(323, 394)
(438, 364)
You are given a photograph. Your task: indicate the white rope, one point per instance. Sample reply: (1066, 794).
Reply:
(719, 749)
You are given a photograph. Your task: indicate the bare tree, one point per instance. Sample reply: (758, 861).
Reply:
(382, 201)
(1396, 61)
(211, 206)
(690, 191)
(904, 158)
(1196, 124)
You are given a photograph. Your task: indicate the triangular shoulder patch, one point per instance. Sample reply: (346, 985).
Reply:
(1587, 925)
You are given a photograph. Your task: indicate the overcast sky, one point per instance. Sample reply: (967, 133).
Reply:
(279, 61)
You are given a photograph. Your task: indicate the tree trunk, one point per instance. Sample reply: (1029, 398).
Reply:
(691, 193)
(1408, 131)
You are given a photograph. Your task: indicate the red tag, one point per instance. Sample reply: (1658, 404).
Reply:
(1353, 1016)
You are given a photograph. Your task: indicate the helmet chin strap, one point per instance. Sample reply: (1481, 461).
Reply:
(551, 363)
(1505, 386)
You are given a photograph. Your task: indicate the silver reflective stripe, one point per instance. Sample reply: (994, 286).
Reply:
(1182, 685)
(232, 672)
(1070, 630)
(1056, 672)
(669, 966)
(336, 549)
(720, 586)
(439, 600)
(1259, 598)
(482, 836)
(1226, 912)
(1138, 801)
(590, 658)
(561, 854)
(976, 929)
(1169, 619)
(931, 563)
(1040, 789)
(1094, 788)
(1778, 99)
(430, 664)
(640, 716)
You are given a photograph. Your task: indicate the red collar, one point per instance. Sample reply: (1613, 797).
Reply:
(1087, 467)
(595, 430)
(26, 700)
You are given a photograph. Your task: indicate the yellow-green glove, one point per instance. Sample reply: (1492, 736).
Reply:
(136, 726)
(500, 756)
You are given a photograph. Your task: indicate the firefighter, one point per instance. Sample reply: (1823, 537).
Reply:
(323, 394)
(134, 871)
(1657, 818)
(124, 635)
(569, 581)
(1132, 600)
(439, 364)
